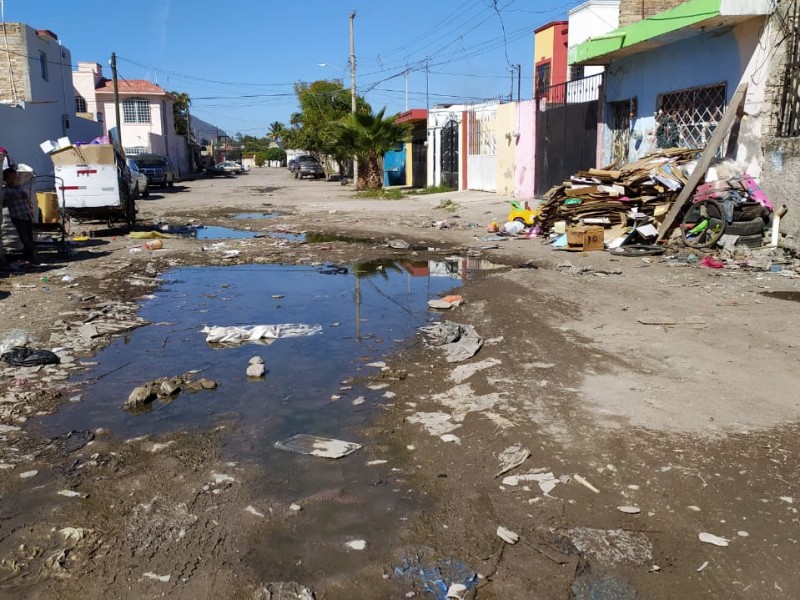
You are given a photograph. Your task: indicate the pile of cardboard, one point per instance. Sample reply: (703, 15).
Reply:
(610, 198)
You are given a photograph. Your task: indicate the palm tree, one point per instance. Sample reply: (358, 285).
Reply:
(367, 136)
(276, 132)
(180, 112)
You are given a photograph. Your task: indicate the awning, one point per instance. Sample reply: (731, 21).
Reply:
(684, 21)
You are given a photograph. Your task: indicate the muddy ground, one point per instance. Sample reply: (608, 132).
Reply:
(654, 385)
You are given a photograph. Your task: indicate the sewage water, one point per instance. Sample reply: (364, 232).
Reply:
(214, 232)
(363, 318)
(245, 216)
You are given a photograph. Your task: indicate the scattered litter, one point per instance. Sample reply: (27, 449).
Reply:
(8, 428)
(398, 244)
(547, 481)
(71, 494)
(613, 545)
(74, 534)
(219, 478)
(161, 578)
(28, 474)
(709, 538)
(377, 365)
(449, 437)
(787, 499)
(372, 463)
(436, 578)
(317, 446)
(285, 591)
(252, 510)
(358, 401)
(445, 303)
(654, 569)
(460, 342)
(630, 510)
(742, 534)
(511, 458)
(258, 333)
(694, 508)
(29, 357)
(507, 535)
(464, 372)
(585, 483)
(356, 544)
(294, 507)
(458, 591)
(702, 567)
(335, 397)
(437, 423)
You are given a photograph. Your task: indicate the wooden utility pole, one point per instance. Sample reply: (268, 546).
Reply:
(519, 82)
(116, 96)
(353, 84)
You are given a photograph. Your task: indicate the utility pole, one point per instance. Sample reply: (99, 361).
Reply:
(511, 94)
(519, 83)
(427, 96)
(406, 88)
(353, 84)
(116, 96)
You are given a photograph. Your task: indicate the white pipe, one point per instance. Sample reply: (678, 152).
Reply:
(776, 225)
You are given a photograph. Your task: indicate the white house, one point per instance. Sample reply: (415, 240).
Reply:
(590, 19)
(444, 130)
(145, 109)
(36, 99)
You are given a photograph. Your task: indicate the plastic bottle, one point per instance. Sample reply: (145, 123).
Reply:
(156, 244)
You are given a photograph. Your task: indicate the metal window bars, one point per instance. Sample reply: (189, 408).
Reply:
(687, 118)
(789, 115)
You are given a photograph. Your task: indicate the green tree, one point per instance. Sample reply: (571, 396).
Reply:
(322, 103)
(180, 112)
(367, 137)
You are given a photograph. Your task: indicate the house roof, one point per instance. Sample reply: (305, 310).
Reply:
(682, 22)
(414, 114)
(130, 86)
(552, 24)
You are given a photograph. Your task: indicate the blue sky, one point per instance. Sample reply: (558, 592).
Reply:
(239, 60)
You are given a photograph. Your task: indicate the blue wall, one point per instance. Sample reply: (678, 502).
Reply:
(704, 59)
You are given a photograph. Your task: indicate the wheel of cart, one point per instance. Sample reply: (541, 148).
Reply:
(703, 224)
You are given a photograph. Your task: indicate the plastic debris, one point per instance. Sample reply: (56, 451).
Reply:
(585, 483)
(252, 510)
(612, 546)
(547, 481)
(295, 507)
(398, 244)
(317, 446)
(445, 303)
(710, 538)
(507, 535)
(74, 534)
(28, 474)
(630, 510)
(285, 591)
(359, 401)
(258, 333)
(460, 342)
(702, 567)
(436, 578)
(458, 591)
(449, 437)
(71, 494)
(161, 578)
(29, 357)
(711, 262)
(463, 372)
(511, 458)
(356, 544)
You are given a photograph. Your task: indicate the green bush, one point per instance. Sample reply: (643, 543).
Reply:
(275, 154)
(260, 158)
(381, 194)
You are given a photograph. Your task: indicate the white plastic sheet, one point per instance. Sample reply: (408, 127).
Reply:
(216, 334)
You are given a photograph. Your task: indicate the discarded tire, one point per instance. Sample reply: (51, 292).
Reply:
(751, 241)
(638, 250)
(746, 228)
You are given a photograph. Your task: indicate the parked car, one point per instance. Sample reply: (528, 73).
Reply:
(217, 171)
(229, 167)
(290, 165)
(244, 168)
(308, 166)
(138, 181)
(158, 169)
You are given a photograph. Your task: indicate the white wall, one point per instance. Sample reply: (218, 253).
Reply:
(592, 19)
(438, 117)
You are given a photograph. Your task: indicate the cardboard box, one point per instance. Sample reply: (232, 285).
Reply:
(585, 238)
(90, 154)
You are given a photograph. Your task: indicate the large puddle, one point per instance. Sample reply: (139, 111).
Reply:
(363, 318)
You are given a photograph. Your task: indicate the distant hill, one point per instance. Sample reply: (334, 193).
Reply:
(205, 131)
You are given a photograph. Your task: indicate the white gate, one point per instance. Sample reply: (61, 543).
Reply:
(481, 149)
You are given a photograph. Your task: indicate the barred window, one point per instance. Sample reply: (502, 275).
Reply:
(542, 79)
(135, 111)
(80, 104)
(134, 150)
(688, 118)
(43, 65)
(576, 72)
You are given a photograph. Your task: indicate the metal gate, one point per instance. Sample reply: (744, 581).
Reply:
(482, 149)
(394, 166)
(450, 154)
(566, 131)
(419, 163)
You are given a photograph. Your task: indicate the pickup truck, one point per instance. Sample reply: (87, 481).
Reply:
(308, 166)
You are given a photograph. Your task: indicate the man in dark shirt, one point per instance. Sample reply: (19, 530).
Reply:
(21, 213)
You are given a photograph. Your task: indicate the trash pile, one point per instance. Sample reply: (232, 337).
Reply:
(609, 198)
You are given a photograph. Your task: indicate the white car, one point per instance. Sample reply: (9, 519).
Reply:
(138, 181)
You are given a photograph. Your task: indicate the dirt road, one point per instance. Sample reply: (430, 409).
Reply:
(657, 399)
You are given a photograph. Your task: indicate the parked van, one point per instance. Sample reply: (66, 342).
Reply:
(158, 169)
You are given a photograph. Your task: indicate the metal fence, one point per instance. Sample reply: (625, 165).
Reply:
(687, 118)
(576, 91)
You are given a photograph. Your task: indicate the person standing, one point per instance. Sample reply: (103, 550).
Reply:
(21, 213)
